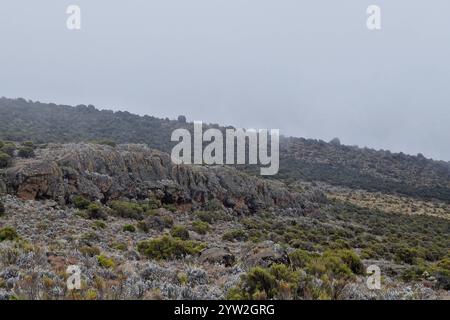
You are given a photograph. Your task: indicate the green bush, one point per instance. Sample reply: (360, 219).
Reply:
(5, 160)
(99, 224)
(300, 258)
(210, 216)
(168, 221)
(166, 247)
(406, 255)
(26, 152)
(105, 262)
(80, 202)
(29, 144)
(335, 264)
(119, 246)
(127, 209)
(8, 233)
(200, 227)
(95, 211)
(170, 207)
(351, 259)
(154, 203)
(8, 148)
(89, 251)
(143, 226)
(180, 232)
(276, 282)
(237, 234)
(129, 228)
(441, 272)
(213, 205)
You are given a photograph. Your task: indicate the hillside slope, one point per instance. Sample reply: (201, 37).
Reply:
(301, 159)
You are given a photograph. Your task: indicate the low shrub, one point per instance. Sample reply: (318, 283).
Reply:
(26, 152)
(180, 232)
(210, 216)
(5, 160)
(105, 262)
(300, 258)
(119, 246)
(166, 247)
(96, 211)
(89, 251)
(8, 233)
(80, 202)
(126, 209)
(235, 235)
(200, 227)
(28, 144)
(99, 224)
(276, 282)
(128, 228)
(8, 148)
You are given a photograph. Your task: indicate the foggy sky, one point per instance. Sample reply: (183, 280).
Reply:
(310, 68)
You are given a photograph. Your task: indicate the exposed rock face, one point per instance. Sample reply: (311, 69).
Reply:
(102, 172)
(218, 255)
(266, 254)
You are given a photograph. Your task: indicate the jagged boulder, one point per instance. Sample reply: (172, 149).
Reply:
(218, 255)
(102, 172)
(265, 254)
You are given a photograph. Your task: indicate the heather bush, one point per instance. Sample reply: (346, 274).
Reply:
(80, 202)
(167, 247)
(127, 209)
(235, 235)
(200, 227)
(25, 152)
(105, 262)
(5, 160)
(128, 228)
(180, 232)
(8, 233)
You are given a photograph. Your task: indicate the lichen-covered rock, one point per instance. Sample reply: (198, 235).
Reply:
(102, 172)
(265, 254)
(218, 255)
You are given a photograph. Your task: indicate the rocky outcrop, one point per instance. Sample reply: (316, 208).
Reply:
(265, 254)
(218, 255)
(134, 171)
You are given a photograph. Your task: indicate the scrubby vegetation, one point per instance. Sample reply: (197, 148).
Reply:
(105, 262)
(201, 227)
(127, 209)
(306, 159)
(80, 202)
(316, 248)
(129, 228)
(5, 160)
(180, 232)
(25, 152)
(168, 248)
(8, 233)
(235, 235)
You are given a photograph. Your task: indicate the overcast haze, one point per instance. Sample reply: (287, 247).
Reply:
(309, 68)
